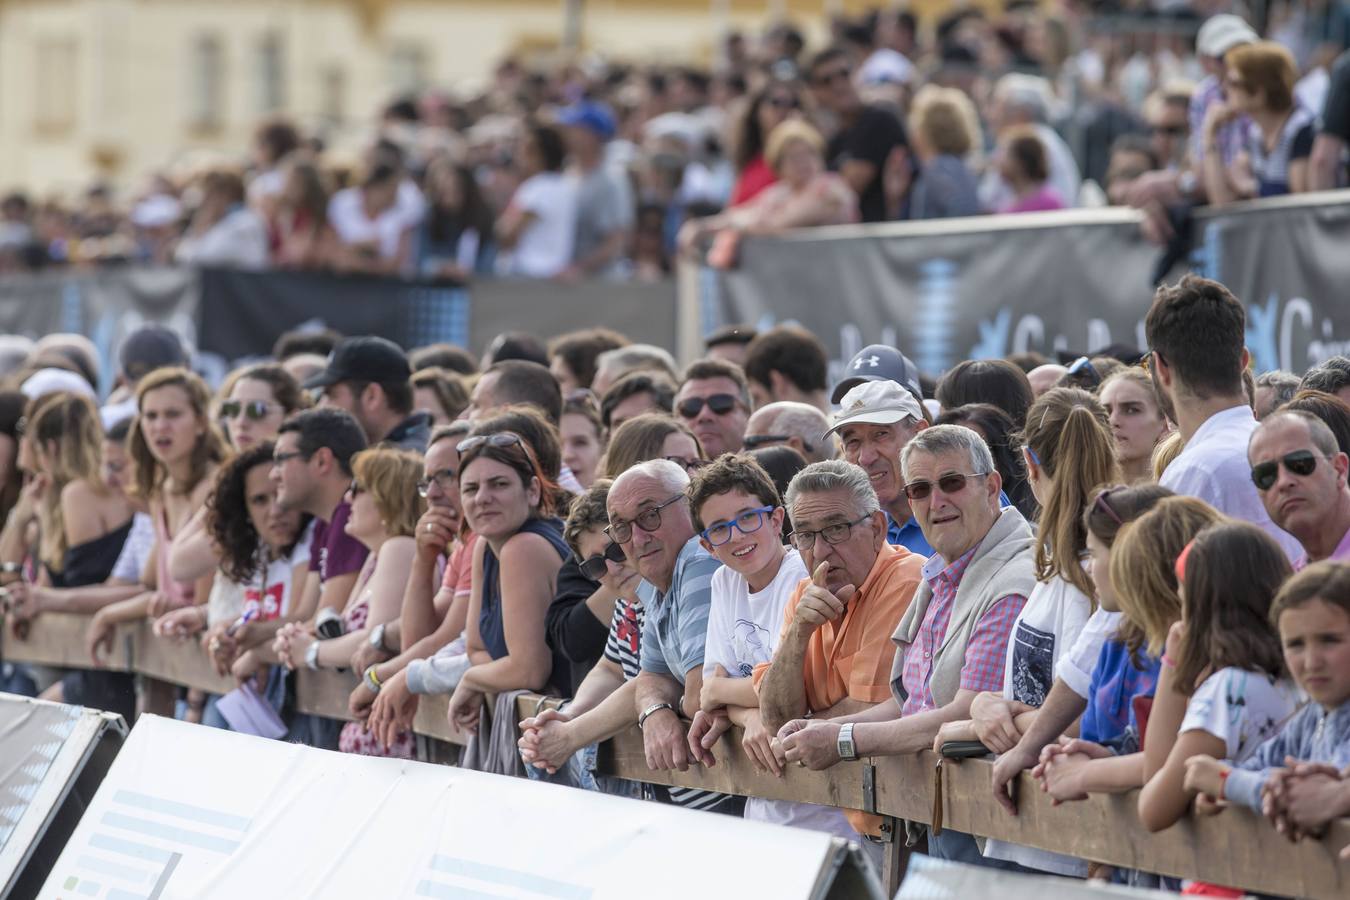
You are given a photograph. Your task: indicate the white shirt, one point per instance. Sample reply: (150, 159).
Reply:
(140, 541)
(1065, 179)
(348, 217)
(743, 631)
(1213, 467)
(1075, 667)
(239, 241)
(1240, 708)
(545, 245)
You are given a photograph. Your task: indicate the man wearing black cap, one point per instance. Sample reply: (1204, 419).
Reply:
(369, 378)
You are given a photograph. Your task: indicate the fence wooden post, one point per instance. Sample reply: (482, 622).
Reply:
(896, 859)
(154, 696)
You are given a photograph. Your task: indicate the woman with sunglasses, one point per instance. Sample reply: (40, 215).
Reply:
(508, 502)
(602, 704)
(383, 518)
(651, 436)
(259, 398)
(175, 451)
(772, 106)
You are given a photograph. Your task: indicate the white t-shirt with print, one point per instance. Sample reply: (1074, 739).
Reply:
(1045, 634)
(545, 246)
(743, 631)
(1240, 708)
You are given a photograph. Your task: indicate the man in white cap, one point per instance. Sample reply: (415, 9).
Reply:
(1217, 36)
(876, 419)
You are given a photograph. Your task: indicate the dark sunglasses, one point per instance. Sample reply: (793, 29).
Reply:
(1101, 503)
(500, 439)
(1083, 371)
(755, 441)
(782, 102)
(951, 483)
(721, 404)
(831, 77)
(1169, 130)
(256, 410)
(595, 567)
(1301, 462)
(355, 489)
(690, 465)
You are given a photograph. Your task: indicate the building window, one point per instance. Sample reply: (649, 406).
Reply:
(206, 109)
(55, 94)
(407, 68)
(271, 73)
(333, 94)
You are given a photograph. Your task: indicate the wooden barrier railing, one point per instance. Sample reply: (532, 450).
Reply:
(1236, 848)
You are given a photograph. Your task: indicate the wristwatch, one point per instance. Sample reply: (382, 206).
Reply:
(312, 657)
(847, 750)
(377, 637)
(370, 680)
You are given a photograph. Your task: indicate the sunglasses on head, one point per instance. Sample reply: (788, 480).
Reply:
(256, 410)
(721, 404)
(595, 567)
(500, 439)
(951, 483)
(1301, 462)
(1085, 372)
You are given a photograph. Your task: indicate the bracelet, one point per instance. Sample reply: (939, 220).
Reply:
(1223, 782)
(312, 657)
(654, 708)
(370, 680)
(1168, 661)
(11, 568)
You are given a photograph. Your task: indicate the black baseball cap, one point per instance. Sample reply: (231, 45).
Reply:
(877, 362)
(368, 359)
(148, 348)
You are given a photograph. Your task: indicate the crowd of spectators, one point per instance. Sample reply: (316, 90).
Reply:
(1088, 570)
(598, 168)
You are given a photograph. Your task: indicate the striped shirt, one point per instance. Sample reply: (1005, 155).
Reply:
(1271, 170)
(625, 637)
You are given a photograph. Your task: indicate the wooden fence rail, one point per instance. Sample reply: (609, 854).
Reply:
(1236, 848)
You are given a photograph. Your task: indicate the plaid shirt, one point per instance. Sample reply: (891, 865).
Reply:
(1231, 137)
(986, 652)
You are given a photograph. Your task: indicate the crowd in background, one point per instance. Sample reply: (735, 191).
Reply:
(603, 168)
(1128, 572)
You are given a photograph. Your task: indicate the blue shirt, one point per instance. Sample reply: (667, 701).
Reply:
(676, 626)
(1116, 682)
(910, 535)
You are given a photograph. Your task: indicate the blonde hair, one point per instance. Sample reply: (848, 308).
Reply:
(785, 133)
(1165, 453)
(947, 120)
(1143, 568)
(391, 478)
(70, 423)
(209, 450)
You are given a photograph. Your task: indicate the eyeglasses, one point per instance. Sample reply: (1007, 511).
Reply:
(721, 404)
(279, 459)
(1169, 130)
(1301, 462)
(1236, 84)
(755, 441)
(1085, 372)
(782, 102)
(595, 567)
(689, 464)
(500, 439)
(1146, 362)
(648, 520)
(256, 410)
(833, 534)
(355, 489)
(444, 479)
(951, 483)
(832, 77)
(748, 522)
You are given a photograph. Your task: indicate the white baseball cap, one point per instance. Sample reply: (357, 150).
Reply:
(876, 403)
(49, 381)
(1222, 33)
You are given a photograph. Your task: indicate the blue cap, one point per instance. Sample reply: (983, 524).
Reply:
(588, 114)
(878, 362)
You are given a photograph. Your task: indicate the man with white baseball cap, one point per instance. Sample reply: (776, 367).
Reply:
(1216, 37)
(875, 421)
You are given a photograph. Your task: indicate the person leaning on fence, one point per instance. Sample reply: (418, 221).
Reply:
(833, 657)
(953, 639)
(1301, 476)
(649, 518)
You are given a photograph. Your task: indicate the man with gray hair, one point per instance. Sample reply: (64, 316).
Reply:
(1021, 99)
(612, 365)
(953, 639)
(649, 518)
(797, 425)
(1301, 476)
(1273, 390)
(833, 657)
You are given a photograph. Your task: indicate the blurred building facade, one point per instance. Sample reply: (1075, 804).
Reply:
(112, 89)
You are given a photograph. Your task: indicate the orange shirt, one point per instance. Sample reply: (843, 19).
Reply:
(853, 657)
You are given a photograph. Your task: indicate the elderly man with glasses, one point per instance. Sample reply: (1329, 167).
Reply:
(834, 657)
(953, 639)
(1301, 476)
(649, 518)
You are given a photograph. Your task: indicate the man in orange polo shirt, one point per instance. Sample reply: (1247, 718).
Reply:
(835, 654)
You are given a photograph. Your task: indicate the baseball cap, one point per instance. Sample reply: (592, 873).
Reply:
(1222, 33)
(591, 115)
(881, 402)
(151, 347)
(369, 358)
(49, 381)
(878, 362)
